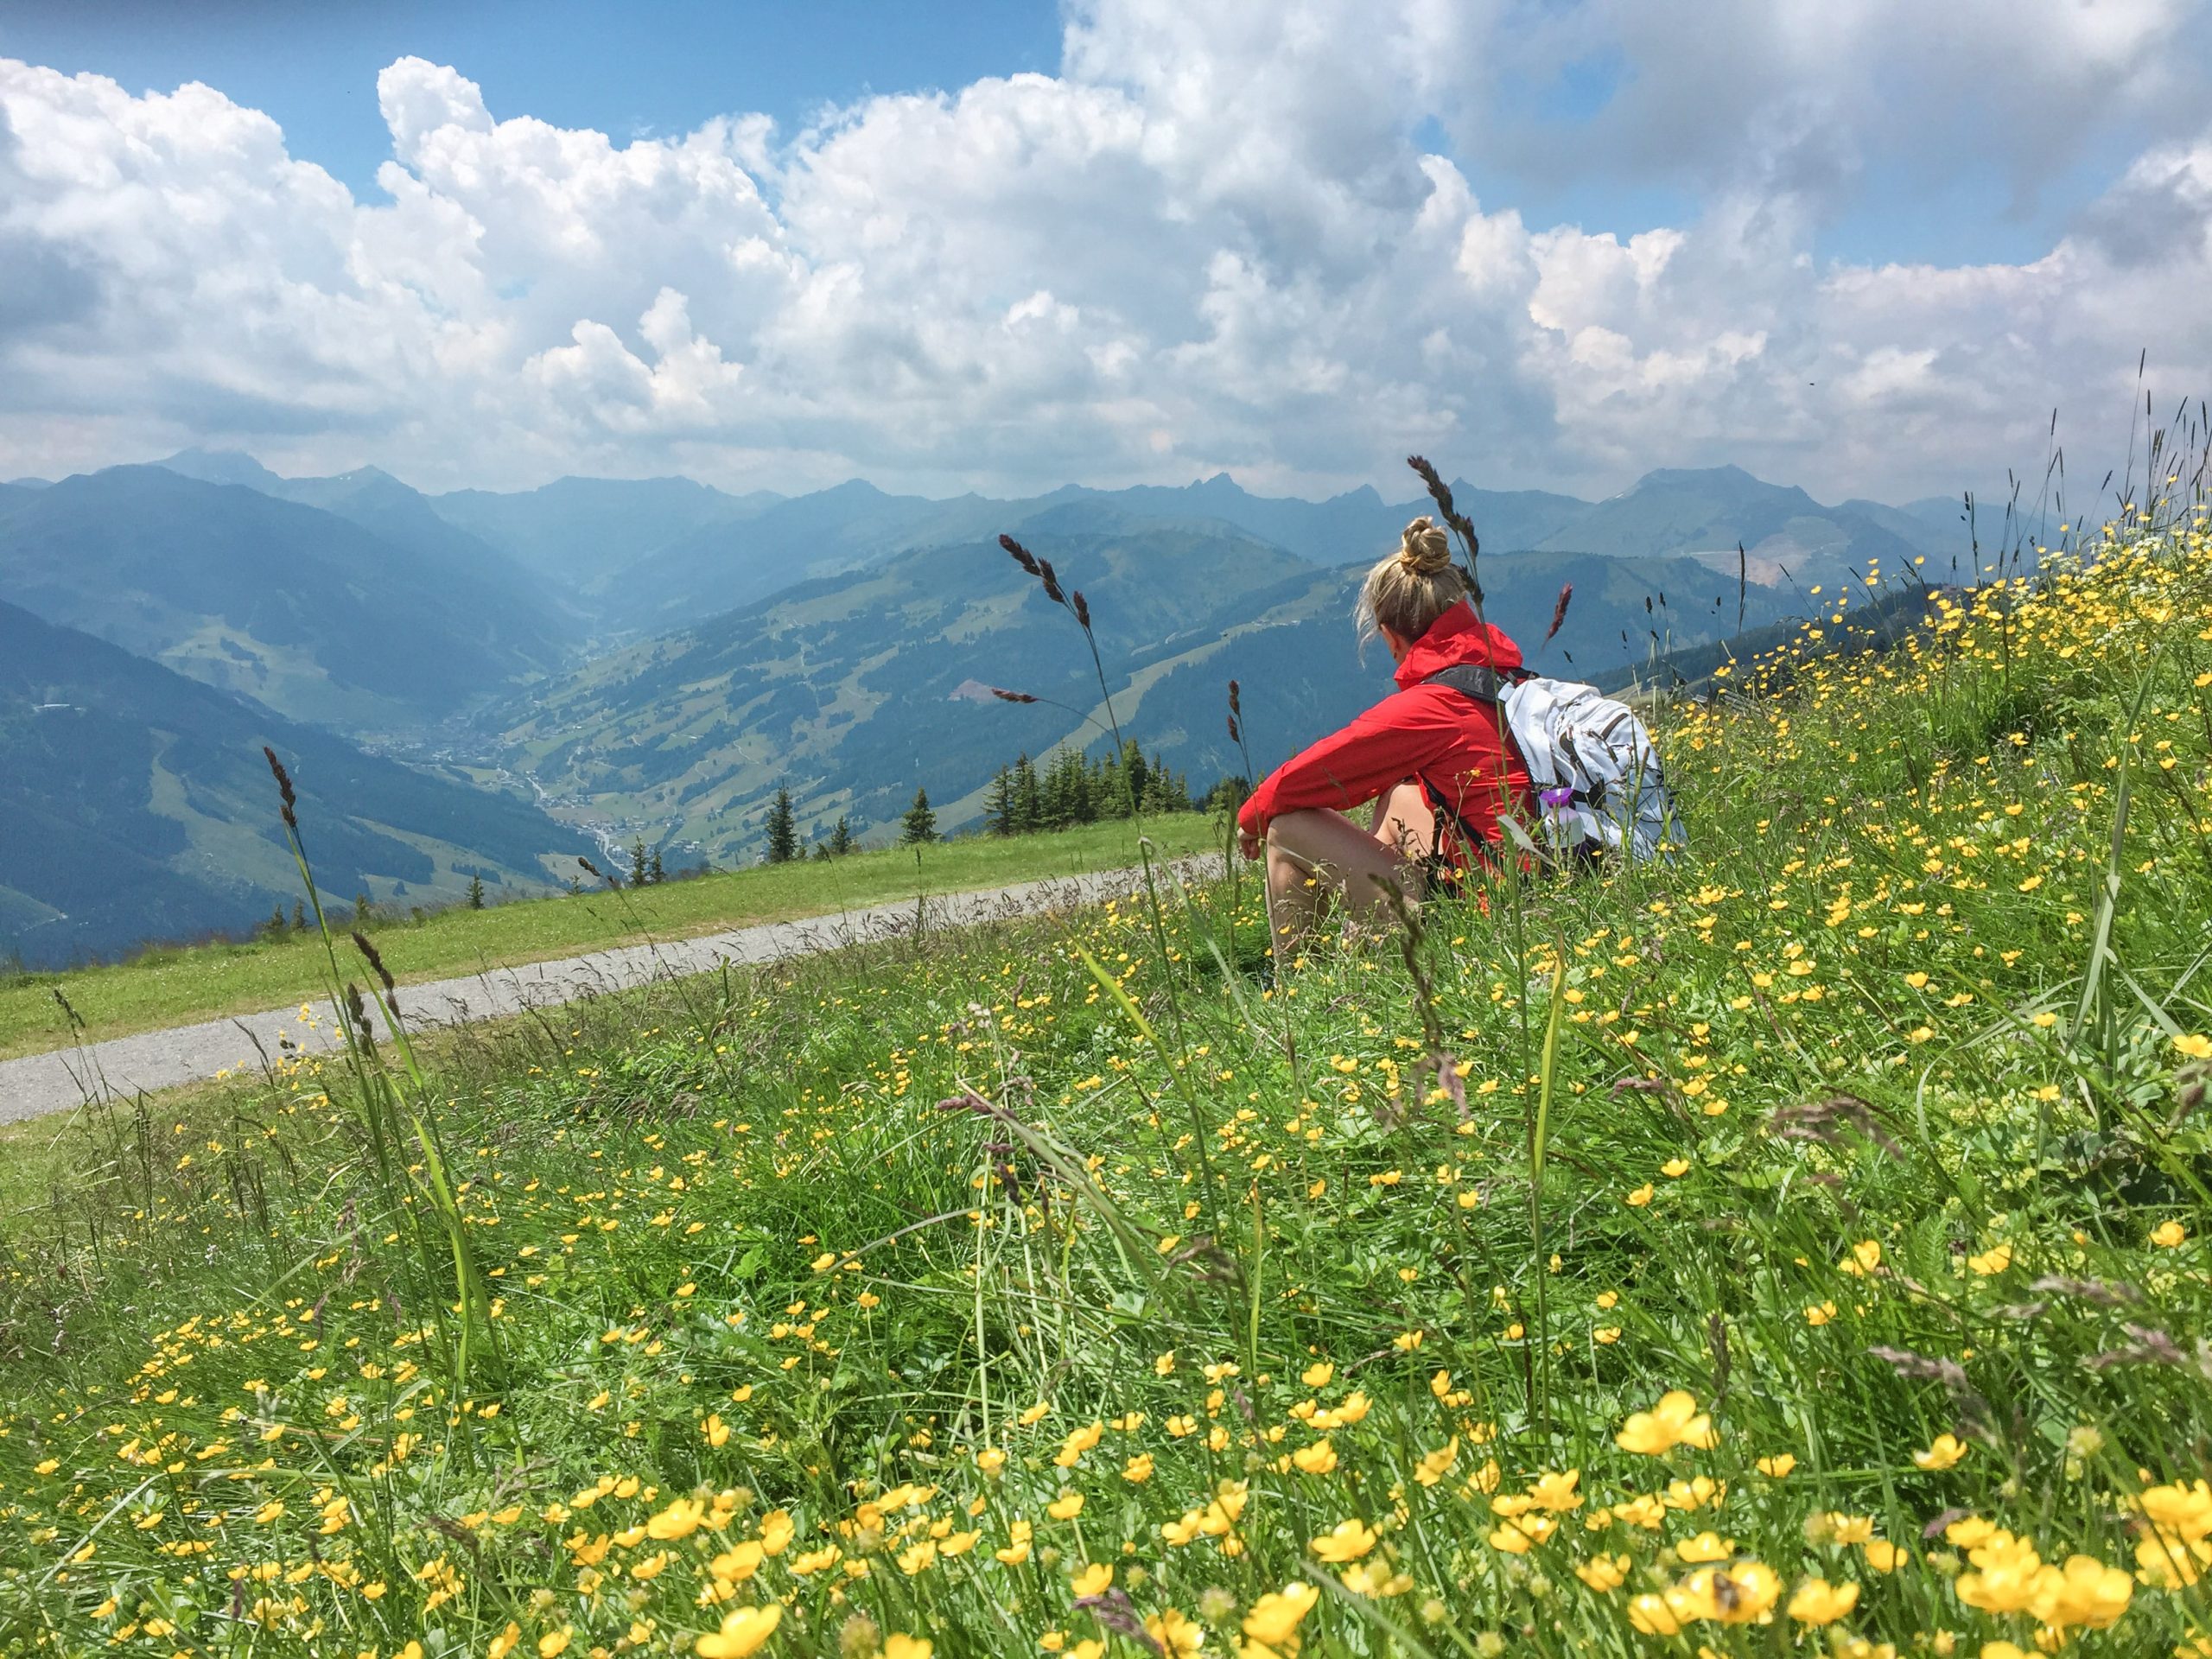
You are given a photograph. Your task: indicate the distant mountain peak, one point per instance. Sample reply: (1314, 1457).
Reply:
(220, 466)
(1664, 476)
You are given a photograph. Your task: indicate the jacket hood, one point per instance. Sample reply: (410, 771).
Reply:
(1454, 639)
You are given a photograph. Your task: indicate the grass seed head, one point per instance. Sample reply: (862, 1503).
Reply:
(283, 788)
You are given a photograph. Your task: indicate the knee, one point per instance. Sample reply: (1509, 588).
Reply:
(1285, 828)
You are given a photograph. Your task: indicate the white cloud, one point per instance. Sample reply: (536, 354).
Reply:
(1216, 239)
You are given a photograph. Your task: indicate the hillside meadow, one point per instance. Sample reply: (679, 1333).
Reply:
(1798, 1249)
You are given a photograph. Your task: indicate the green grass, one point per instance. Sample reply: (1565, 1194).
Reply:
(174, 987)
(1798, 1249)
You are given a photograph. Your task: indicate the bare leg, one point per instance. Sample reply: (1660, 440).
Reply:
(1314, 855)
(1405, 821)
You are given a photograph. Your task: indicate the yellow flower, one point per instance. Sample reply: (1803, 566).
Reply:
(1778, 1466)
(505, 1643)
(1819, 1313)
(1743, 1594)
(1176, 1635)
(1675, 1421)
(2167, 1561)
(1864, 1257)
(2004, 1570)
(2197, 1047)
(554, 1643)
(679, 1520)
(1092, 1580)
(1138, 1470)
(1521, 1533)
(1603, 1572)
(1883, 1556)
(899, 1645)
(1946, 1452)
(1652, 1615)
(1317, 1375)
(1818, 1602)
(2169, 1235)
(1992, 1261)
(1434, 1465)
(1018, 1545)
(1706, 1547)
(991, 1462)
(738, 1563)
(1641, 1196)
(1079, 1440)
(1066, 1507)
(1674, 1167)
(1276, 1617)
(1556, 1491)
(2084, 1592)
(1347, 1541)
(2185, 1511)
(1318, 1459)
(742, 1632)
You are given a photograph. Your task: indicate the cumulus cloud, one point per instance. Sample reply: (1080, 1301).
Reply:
(1220, 237)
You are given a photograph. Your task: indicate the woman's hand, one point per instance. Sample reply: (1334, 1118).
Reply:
(1247, 843)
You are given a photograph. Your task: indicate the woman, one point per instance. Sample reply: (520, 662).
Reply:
(1438, 763)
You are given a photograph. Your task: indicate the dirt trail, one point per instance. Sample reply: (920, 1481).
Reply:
(123, 1067)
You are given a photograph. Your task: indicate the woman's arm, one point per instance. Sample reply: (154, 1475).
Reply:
(1388, 744)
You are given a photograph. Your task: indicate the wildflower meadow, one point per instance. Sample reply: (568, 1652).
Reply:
(1798, 1246)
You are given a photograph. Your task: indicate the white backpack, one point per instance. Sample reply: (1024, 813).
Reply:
(1595, 769)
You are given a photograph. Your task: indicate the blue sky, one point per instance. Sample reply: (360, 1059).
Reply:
(1862, 245)
(622, 69)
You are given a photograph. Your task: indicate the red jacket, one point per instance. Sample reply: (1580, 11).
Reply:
(1458, 750)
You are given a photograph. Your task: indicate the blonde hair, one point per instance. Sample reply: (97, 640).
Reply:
(1413, 586)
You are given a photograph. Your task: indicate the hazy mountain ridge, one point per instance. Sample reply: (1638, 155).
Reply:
(138, 805)
(586, 532)
(299, 608)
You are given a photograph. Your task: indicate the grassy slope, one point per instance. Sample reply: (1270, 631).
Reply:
(172, 987)
(1837, 1138)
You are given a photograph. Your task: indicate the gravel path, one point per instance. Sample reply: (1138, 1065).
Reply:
(124, 1067)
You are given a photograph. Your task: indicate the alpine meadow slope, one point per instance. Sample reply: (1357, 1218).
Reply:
(1798, 1248)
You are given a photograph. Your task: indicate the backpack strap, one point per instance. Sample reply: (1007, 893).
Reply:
(1470, 680)
(1477, 684)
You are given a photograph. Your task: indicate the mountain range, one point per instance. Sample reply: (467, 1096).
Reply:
(657, 657)
(138, 805)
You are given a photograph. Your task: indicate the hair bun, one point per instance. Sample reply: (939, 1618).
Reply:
(1424, 549)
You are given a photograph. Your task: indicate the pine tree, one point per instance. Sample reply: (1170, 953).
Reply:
(476, 893)
(1228, 794)
(653, 872)
(275, 923)
(1028, 801)
(364, 914)
(637, 862)
(840, 838)
(920, 823)
(782, 829)
(299, 916)
(1137, 773)
(998, 804)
